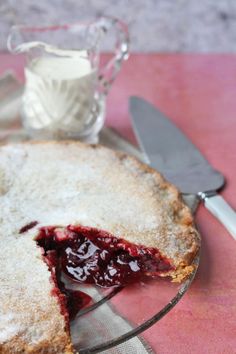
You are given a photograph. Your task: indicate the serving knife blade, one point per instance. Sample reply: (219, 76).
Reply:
(176, 157)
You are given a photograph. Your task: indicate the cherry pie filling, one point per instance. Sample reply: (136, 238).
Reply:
(88, 255)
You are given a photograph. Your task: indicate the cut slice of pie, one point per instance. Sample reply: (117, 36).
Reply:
(99, 216)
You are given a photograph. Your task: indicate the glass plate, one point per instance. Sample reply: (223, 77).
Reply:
(120, 314)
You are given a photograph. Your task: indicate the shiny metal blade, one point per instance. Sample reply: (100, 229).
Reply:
(170, 152)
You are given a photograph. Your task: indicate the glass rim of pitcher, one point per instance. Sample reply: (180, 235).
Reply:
(22, 28)
(66, 25)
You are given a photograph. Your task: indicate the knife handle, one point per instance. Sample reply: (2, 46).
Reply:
(222, 211)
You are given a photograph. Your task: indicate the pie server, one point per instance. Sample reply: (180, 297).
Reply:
(170, 152)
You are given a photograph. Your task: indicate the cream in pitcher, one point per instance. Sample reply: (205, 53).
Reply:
(59, 92)
(65, 89)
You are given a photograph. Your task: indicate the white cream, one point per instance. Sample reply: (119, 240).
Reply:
(58, 68)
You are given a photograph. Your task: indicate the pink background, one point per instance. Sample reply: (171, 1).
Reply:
(198, 92)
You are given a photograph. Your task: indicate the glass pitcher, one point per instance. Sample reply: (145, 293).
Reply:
(65, 85)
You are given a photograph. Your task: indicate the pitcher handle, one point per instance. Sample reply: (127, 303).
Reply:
(109, 71)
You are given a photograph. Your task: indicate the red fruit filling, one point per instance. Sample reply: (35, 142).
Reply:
(93, 256)
(88, 255)
(71, 301)
(28, 227)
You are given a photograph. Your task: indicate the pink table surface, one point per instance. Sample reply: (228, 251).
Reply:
(198, 92)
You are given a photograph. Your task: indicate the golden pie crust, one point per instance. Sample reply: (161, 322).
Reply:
(62, 183)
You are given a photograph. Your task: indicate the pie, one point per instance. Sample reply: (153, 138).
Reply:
(97, 216)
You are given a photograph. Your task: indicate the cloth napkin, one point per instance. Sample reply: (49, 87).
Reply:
(104, 323)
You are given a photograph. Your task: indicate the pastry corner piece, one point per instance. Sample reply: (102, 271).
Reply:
(32, 315)
(63, 197)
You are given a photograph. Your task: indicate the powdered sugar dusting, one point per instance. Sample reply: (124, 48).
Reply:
(9, 327)
(61, 184)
